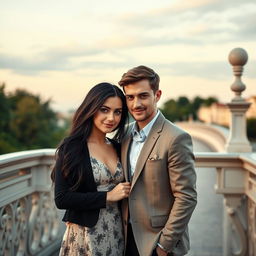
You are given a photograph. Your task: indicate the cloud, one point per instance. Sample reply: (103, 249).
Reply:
(200, 7)
(210, 70)
(47, 60)
(246, 26)
(196, 21)
(184, 23)
(32, 66)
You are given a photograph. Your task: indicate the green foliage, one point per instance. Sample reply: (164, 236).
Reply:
(251, 128)
(208, 102)
(4, 109)
(27, 122)
(182, 109)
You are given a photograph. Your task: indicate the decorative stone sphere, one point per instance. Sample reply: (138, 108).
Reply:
(238, 57)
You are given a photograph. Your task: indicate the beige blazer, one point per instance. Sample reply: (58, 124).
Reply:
(163, 189)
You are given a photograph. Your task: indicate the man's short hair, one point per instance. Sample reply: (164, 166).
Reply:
(139, 73)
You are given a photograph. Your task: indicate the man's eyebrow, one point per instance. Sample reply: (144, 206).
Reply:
(144, 93)
(136, 94)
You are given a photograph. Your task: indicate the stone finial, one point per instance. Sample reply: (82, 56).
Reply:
(238, 58)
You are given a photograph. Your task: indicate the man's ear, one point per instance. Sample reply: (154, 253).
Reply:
(158, 95)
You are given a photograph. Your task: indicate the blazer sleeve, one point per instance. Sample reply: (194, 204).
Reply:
(183, 185)
(67, 199)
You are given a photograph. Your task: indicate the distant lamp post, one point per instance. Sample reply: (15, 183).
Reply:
(238, 141)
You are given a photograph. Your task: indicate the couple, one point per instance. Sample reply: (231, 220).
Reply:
(133, 194)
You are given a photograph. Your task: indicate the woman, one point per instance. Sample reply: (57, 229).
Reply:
(88, 175)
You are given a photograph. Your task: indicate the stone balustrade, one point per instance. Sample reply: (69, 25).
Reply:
(29, 221)
(236, 181)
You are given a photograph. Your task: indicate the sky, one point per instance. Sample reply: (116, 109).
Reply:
(60, 49)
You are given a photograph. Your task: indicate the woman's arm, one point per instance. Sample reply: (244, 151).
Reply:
(65, 198)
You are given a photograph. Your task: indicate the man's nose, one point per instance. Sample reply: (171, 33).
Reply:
(136, 103)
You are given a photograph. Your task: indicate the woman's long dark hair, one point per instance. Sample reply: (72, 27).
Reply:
(71, 151)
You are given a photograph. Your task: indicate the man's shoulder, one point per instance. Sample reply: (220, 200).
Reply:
(173, 129)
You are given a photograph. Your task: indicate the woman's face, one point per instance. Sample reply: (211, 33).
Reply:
(109, 115)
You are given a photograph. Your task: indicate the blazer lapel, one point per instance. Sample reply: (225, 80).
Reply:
(124, 155)
(148, 146)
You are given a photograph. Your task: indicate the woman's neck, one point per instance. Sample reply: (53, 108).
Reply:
(97, 137)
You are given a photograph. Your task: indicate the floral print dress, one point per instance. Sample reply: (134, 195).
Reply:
(106, 237)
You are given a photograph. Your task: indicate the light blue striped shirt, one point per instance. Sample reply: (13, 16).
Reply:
(138, 141)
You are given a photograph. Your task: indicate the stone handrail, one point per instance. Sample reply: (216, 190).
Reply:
(29, 221)
(213, 135)
(236, 180)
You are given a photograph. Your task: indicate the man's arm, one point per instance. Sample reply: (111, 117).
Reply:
(183, 185)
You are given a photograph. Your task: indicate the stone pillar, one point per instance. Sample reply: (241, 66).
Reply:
(237, 141)
(235, 202)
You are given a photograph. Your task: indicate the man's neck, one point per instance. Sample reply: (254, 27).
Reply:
(143, 124)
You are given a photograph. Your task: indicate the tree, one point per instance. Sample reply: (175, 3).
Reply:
(209, 101)
(4, 109)
(179, 110)
(27, 122)
(251, 128)
(170, 110)
(182, 109)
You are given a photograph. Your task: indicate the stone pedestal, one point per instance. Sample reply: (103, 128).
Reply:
(238, 141)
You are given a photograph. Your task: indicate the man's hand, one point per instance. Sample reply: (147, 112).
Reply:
(161, 252)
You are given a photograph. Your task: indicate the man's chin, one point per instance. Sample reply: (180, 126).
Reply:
(139, 118)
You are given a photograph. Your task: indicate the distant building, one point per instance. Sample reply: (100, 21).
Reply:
(251, 113)
(218, 113)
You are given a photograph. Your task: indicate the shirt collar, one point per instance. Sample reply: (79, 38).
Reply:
(147, 128)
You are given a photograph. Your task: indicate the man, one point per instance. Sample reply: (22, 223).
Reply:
(158, 161)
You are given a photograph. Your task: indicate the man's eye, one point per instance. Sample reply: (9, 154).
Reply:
(129, 97)
(143, 96)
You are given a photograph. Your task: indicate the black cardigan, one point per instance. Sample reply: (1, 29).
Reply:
(82, 205)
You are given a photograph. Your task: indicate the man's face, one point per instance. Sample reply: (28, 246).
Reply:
(141, 101)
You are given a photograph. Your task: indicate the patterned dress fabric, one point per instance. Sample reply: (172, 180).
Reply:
(106, 237)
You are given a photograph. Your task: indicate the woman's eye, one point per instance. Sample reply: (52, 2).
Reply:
(118, 112)
(103, 110)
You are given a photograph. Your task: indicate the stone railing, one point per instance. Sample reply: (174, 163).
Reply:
(29, 221)
(236, 181)
(214, 136)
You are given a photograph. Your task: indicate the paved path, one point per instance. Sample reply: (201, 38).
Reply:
(206, 222)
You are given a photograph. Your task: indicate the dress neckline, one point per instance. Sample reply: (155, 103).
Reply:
(108, 169)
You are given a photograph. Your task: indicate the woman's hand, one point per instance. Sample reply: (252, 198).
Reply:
(119, 192)
(161, 252)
